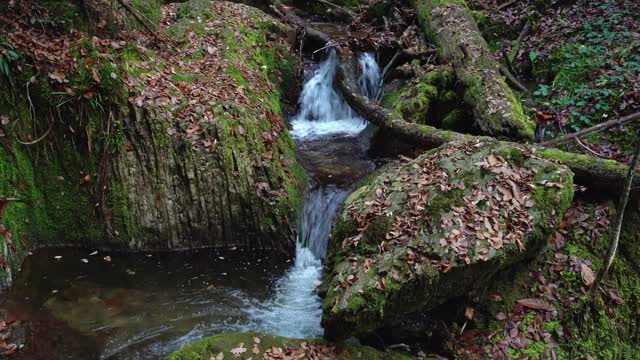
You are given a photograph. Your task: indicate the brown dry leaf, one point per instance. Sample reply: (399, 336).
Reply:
(239, 350)
(255, 349)
(96, 75)
(220, 356)
(588, 276)
(536, 304)
(85, 179)
(256, 340)
(468, 313)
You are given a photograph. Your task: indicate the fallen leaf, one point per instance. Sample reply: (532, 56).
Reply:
(239, 350)
(536, 304)
(588, 276)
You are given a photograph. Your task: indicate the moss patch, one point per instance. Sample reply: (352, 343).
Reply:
(214, 345)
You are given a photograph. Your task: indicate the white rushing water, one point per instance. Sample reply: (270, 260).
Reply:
(323, 111)
(369, 80)
(295, 310)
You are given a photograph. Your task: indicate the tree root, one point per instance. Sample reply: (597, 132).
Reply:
(603, 175)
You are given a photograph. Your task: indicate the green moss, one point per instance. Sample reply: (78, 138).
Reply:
(149, 9)
(210, 348)
(123, 222)
(442, 203)
(595, 332)
(426, 100)
(455, 121)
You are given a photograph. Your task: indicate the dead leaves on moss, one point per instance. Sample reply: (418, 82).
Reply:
(557, 286)
(304, 350)
(490, 216)
(180, 80)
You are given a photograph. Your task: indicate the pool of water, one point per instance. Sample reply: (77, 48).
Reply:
(135, 306)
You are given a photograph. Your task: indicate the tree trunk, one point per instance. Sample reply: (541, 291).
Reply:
(497, 111)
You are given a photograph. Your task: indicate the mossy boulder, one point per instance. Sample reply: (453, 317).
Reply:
(420, 233)
(429, 99)
(260, 346)
(211, 164)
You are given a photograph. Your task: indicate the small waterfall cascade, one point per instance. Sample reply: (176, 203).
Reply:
(369, 80)
(323, 111)
(296, 309)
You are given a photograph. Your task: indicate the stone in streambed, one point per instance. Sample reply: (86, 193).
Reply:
(423, 232)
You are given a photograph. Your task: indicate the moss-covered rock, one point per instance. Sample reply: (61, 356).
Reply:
(262, 345)
(241, 159)
(198, 156)
(428, 100)
(424, 232)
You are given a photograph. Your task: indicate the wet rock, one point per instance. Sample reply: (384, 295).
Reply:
(339, 160)
(423, 232)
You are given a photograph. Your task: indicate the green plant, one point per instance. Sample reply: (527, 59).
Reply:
(591, 73)
(7, 56)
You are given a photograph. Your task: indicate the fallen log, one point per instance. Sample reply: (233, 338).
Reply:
(288, 15)
(597, 174)
(496, 109)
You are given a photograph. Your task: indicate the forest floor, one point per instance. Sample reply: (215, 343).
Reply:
(581, 61)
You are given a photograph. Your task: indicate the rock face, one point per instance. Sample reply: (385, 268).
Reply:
(264, 346)
(208, 159)
(182, 144)
(426, 231)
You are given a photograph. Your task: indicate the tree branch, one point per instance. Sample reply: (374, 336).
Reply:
(350, 13)
(139, 18)
(615, 232)
(594, 129)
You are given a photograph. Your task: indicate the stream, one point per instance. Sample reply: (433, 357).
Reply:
(81, 304)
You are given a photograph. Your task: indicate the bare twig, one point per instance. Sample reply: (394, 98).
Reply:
(37, 140)
(615, 231)
(594, 129)
(584, 146)
(516, 47)
(384, 73)
(329, 45)
(512, 79)
(507, 4)
(139, 18)
(340, 8)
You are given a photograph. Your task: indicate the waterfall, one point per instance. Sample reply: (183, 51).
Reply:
(323, 111)
(369, 80)
(296, 309)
